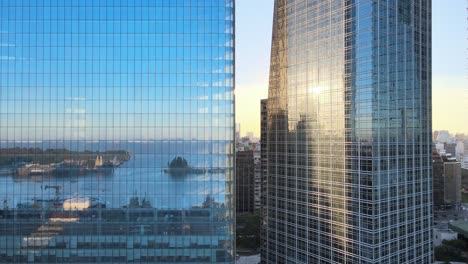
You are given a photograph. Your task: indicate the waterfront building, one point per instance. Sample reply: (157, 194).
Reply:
(450, 148)
(264, 166)
(438, 190)
(238, 131)
(349, 133)
(245, 181)
(444, 136)
(460, 150)
(258, 178)
(263, 138)
(452, 182)
(464, 162)
(117, 131)
(250, 135)
(447, 177)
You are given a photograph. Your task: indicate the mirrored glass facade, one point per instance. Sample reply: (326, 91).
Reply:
(116, 131)
(349, 133)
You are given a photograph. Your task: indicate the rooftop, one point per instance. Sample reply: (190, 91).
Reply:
(461, 227)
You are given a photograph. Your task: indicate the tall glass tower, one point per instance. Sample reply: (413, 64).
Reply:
(116, 131)
(349, 133)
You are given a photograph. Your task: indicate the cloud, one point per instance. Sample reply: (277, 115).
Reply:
(7, 45)
(202, 84)
(75, 123)
(5, 58)
(75, 111)
(12, 58)
(76, 98)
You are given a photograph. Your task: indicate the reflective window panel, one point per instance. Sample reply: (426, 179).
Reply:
(116, 131)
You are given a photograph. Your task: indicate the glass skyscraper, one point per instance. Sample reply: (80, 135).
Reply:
(116, 131)
(349, 133)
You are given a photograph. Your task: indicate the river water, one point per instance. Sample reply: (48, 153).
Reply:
(142, 176)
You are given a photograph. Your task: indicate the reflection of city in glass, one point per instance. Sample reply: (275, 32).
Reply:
(349, 141)
(116, 131)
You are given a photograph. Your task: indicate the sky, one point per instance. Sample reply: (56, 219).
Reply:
(113, 72)
(450, 67)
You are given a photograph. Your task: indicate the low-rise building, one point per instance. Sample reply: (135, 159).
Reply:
(443, 234)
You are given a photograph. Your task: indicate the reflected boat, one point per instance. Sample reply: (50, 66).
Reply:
(35, 170)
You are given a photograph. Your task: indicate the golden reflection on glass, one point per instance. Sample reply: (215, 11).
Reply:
(347, 140)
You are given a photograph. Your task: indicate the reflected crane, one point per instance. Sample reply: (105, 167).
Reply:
(57, 190)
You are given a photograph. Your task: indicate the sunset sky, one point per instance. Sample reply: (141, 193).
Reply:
(450, 67)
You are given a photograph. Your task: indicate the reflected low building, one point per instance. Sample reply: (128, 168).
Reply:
(96, 100)
(142, 235)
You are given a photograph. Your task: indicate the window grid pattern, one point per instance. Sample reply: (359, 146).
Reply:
(116, 131)
(349, 146)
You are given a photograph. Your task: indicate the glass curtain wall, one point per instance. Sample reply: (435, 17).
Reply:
(116, 131)
(349, 133)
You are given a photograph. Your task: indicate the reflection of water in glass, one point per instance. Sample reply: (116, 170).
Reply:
(143, 176)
